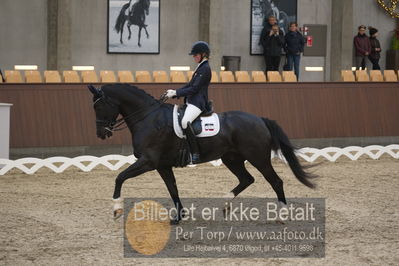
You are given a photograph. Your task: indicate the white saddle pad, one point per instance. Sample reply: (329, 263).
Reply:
(210, 125)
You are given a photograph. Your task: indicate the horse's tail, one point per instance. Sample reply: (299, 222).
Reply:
(121, 18)
(281, 141)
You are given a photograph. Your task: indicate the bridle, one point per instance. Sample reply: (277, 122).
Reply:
(115, 125)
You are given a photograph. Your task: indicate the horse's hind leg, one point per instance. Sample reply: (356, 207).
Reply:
(121, 39)
(170, 182)
(235, 163)
(264, 165)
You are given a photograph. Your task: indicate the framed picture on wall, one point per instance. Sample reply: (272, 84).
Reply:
(285, 12)
(133, 26)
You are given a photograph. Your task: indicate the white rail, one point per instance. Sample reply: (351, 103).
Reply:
(115, 162)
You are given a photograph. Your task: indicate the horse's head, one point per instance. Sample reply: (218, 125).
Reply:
(107, 111)
(146, 6)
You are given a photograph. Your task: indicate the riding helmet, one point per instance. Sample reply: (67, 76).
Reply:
(200, 47)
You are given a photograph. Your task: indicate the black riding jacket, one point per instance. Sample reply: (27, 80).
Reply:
(196, 91)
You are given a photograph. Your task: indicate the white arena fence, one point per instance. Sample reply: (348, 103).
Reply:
(115, 162)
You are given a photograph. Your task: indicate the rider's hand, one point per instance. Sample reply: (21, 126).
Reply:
(170, 93)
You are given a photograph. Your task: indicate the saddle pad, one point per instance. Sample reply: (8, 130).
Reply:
(210, 125)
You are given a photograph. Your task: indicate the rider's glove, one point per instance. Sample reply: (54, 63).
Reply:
(170, 93)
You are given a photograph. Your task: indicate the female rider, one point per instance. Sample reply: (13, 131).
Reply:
(195, 95)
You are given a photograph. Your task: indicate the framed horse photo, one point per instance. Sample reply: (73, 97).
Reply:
(133, 26)
(285, 11)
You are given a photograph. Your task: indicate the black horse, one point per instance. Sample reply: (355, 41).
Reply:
(135, 15)
(242, 137)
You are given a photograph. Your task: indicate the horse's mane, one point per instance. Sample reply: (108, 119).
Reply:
(126, 91)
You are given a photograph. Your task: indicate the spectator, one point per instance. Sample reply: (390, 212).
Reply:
(265, 33)
(294, 44)
(362, 47)
(274, 44)
(374, 56)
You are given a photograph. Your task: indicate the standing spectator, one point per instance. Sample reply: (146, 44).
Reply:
(265, 33)
(374, 56)
(274, 44)
(362, 47)
(294, 44)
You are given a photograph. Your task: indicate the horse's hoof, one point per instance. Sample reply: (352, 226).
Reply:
(129, 38)
(118, 213)
(139, 45)
(148, 36)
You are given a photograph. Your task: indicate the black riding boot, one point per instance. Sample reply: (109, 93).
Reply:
(192, 142)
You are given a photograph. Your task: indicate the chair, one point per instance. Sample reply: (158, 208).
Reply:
(89, 76)
(52, 76)
(242, 76)
(143, 77)
(226, 76)
(178, 76)
(376, 76)
(71, 76)
(390, 76)
(107, 76)
(13, 76)
(274, 76)
(160, 76)
(258, 76)
(347, 76)
(33, 76)
(125, 76)
(289, 76)
(362, 76)
(215, 77)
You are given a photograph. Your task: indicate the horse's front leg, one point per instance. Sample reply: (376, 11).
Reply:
(170, 182)
(140, 28)
(146, 32)
(130, 32)
(141, 166)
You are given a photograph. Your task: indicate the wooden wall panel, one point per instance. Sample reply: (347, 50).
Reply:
(47, 115)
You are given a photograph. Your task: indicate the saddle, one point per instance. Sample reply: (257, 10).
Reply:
(197, 123)
(205, 125)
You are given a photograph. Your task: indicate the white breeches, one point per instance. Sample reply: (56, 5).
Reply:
(191, 113)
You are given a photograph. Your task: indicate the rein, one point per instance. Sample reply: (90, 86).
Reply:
(113, 126)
